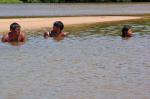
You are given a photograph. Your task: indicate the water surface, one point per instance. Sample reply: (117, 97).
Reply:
(93, 62)
(73, 9)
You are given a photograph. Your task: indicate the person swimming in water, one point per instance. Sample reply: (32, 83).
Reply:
(15, 34)
(57, 30)
(127, 31)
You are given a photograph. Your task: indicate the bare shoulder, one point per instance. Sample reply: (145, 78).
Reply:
(23, 36)
(5, 38)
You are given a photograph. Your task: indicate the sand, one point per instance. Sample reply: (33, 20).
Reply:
(38, 23)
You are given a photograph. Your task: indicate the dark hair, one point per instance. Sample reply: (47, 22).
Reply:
(14, 26)
(59, 24)
(125, 30)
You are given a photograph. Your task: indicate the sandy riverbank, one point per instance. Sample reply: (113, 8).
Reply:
(38, 23)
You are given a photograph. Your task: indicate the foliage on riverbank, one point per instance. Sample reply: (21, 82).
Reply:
(10, 1)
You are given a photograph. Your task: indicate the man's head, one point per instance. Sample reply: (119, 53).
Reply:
(15, 28)
(58, 26)
(127, 31)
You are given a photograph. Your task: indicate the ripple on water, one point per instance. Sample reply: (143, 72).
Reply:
(91, 64)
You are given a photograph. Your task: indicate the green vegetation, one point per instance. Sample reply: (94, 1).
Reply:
(10, 1)
(66, 1)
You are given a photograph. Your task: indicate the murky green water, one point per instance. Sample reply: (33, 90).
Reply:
(93, 62)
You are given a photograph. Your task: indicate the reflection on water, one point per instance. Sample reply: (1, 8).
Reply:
(16, 43)
(91, 63)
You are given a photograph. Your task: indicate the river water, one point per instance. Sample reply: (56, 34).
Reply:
(93, 62)
(73, 9)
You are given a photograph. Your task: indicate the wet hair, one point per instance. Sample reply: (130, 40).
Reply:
(125, 30)
(14, 26)
(59, 24)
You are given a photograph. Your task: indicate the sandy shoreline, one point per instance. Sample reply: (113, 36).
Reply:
(38, 23)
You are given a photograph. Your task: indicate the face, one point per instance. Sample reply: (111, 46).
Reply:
(56, 29)
(15, 31)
